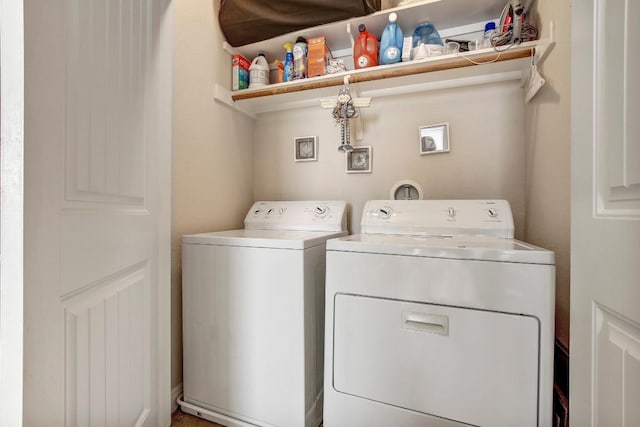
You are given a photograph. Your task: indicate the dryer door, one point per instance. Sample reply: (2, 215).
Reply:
(468, 365)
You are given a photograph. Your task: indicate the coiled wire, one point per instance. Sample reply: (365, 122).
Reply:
(528, 33)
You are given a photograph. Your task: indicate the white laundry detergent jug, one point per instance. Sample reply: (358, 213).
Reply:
(258, 72)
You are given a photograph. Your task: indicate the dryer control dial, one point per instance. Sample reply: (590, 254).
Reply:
(385, 212)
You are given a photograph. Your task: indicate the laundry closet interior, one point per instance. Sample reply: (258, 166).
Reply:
(228, 154)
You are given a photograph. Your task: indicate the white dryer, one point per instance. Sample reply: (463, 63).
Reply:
(436, 316)
(253, 325)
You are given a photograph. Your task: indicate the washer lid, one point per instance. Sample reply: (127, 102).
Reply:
(458, 246)
(277, 239)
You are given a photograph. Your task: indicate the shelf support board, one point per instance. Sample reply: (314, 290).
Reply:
(545, 44)
(445, 84)
(223, 96)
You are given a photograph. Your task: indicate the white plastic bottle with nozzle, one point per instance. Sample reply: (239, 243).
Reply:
(489, 31)
(258, 72)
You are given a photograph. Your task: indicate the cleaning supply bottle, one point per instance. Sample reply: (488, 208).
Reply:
(279, 71)
(365, 49)
(288, 62)
(489, 31)
(258, 72)
(391, 42)
(300, 50)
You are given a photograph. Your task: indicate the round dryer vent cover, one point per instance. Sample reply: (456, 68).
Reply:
(406, 190)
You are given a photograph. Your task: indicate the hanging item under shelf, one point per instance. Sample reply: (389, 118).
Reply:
(343, 112)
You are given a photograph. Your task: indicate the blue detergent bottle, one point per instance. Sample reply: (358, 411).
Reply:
(391, 42)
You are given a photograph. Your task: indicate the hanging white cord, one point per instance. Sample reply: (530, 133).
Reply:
(483, 62)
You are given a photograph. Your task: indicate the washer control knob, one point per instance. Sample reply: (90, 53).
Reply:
(270, 211)
(385, 212)
(320, 211)
(281, 211)
(493, 213)
(452, 212)
(257, 211)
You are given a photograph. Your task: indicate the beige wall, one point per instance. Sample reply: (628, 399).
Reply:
(486, 159)
(213, 146)
(549, 157)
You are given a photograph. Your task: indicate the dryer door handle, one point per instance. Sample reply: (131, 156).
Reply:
(426, 322)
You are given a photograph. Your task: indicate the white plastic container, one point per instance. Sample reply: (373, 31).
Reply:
(489, 31)
(258, 72)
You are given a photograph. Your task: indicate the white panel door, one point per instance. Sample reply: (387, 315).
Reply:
(605, 242)
(97, 213)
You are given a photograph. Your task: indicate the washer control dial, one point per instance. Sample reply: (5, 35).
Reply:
(320, 211)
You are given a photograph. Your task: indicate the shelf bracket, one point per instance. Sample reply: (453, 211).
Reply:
(228, 48)
(545, 44)
(351, 39)
(223, 96)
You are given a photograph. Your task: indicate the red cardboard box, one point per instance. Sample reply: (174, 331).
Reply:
(239, 72)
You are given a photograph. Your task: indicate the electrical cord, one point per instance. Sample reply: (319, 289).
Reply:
(528, 33)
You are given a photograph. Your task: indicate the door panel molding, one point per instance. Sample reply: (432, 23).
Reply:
(616, 368)
(108, 61)
(617, 100)
(107, 354)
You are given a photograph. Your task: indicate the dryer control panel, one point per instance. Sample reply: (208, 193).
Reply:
(297, 215)
(438, 217)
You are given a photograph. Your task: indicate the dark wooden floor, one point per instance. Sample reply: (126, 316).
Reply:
(180, 419)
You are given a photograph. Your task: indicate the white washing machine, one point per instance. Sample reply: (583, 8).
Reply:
(253, 325)
(436, 316)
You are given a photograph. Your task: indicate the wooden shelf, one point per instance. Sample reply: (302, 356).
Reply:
(479, 67)
(447, 62)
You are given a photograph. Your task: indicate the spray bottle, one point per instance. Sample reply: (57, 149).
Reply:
(288, 62)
